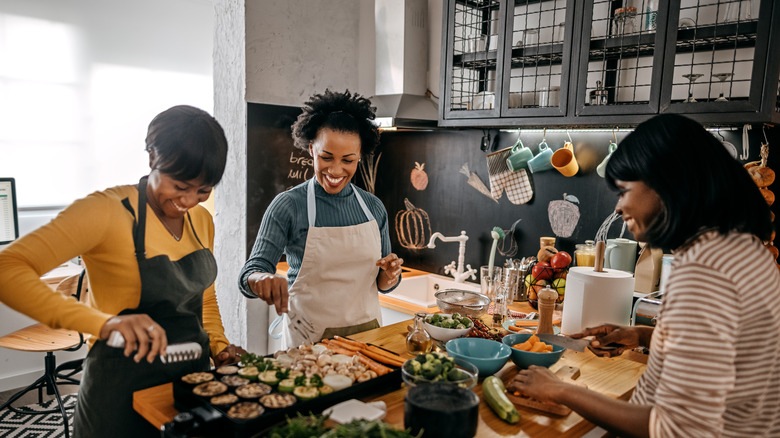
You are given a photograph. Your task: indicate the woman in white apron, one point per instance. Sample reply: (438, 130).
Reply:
(334, 235)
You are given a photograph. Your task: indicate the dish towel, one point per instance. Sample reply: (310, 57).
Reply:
(517, 184)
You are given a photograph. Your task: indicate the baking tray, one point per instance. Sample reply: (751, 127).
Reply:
(222, 425)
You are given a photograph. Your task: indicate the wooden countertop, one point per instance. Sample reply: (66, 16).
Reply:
(615, 377)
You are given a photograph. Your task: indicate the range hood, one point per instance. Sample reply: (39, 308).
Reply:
(401, 65)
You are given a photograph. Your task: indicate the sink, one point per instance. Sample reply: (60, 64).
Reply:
(420, 290)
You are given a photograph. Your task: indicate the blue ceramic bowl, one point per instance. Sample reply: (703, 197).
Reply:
(524, 359)
(487, 355)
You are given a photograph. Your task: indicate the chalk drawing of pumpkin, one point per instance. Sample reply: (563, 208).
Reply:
(419, 177)
(564, 215)
(413, 227)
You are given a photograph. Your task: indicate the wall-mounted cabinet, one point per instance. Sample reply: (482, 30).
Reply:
(606, 62)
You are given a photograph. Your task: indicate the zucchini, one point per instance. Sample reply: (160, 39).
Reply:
(495, 395)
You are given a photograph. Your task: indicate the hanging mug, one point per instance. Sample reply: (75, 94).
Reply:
(564, 160)
(518, 157)
(601, 169)
(541, 161)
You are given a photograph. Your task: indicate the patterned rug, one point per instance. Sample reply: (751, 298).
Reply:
(13, 425)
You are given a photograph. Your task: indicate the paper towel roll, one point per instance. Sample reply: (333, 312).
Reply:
(594, 298)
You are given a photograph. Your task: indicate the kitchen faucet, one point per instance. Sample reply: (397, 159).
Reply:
(459, 274)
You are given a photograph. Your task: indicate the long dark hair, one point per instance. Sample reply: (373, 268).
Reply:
(341, 112)
(188, 143)
(700, 185)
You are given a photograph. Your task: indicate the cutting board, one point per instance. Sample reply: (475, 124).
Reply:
(566, 373)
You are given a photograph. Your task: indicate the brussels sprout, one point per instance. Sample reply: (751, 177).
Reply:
(430, 370)
(456, 315)
(460, 326)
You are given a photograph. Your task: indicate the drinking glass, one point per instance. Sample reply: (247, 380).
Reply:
(721, 77)
(488, 281)
(692, 78)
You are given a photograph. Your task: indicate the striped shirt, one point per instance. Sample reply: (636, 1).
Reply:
(714, 365)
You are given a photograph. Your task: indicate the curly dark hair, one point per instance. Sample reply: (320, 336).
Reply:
(342, 112)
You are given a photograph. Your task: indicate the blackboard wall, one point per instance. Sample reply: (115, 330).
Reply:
(450, 202)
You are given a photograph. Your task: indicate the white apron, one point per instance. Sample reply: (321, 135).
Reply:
(335, 292)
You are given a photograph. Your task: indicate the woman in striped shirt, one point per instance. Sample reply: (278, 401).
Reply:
(714, 363)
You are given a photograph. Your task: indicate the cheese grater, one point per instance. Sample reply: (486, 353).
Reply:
(173, 353)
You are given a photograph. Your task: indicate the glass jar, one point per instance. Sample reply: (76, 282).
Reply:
(585, 253)
(630, 25)
(419, 341)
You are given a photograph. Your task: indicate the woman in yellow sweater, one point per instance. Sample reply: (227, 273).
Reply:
(151, 273)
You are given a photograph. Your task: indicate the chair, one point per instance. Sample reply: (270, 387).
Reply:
(42, 338)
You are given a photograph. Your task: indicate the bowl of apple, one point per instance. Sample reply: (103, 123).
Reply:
(548, 273)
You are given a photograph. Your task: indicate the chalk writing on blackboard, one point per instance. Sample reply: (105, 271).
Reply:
(301, 166)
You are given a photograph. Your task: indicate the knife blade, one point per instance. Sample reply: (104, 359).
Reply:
(565, 341)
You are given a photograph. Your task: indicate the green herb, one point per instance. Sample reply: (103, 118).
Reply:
(303, 426)
(315, 381)
(368, 429)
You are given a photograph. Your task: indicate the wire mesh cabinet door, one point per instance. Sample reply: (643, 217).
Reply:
(472, 59)
(537, 58)
(621, 57)
(717, 56)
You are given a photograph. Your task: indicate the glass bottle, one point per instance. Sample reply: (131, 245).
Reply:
(650, 21)
(419, 341)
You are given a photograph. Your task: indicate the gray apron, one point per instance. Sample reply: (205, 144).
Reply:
(172, 295)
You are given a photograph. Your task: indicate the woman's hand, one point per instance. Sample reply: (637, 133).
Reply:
(537, 382)
(270, 288)
(230, 355)
(622, 338)
(390, 270)
(141, 333)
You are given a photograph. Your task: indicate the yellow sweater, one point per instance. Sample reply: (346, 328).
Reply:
(99, 229)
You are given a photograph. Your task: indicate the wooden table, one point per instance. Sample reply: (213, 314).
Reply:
(615, 377)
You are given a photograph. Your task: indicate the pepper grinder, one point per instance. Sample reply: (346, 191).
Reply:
(547, 298)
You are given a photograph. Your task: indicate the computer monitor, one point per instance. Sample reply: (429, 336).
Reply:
(9, 218)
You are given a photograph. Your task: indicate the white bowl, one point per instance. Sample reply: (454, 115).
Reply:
(445, 334)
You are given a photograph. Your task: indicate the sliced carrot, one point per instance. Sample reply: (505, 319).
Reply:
(350, 341)
(340, 344)
(525, 323)
(390, 356)
(373, 365)
(383, 359)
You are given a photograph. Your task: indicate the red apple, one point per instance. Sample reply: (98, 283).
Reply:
(560, 260)
(542, 271)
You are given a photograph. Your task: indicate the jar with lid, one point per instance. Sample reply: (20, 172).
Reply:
(630, 25)
(585, 253)
(419, 341)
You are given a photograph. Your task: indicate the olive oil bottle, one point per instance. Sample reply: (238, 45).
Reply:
(419, 341)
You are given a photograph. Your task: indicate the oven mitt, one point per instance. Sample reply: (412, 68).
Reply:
(517, 184)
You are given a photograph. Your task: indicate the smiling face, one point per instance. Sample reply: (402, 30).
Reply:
(171, 198)
(639, 206)
(336, 155)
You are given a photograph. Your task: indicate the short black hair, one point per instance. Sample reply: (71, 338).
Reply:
(341, 112)
(700, 184)
(188, 143)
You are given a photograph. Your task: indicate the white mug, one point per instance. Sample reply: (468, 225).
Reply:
(620, 254)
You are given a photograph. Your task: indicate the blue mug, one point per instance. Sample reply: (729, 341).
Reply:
(518, 157)
(541, 161)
